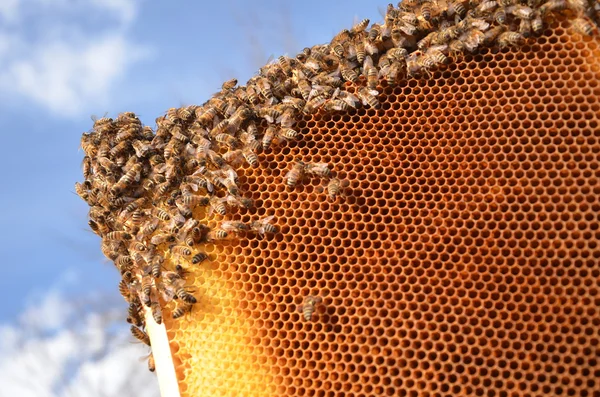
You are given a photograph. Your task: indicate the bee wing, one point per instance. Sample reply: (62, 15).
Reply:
(267, 219)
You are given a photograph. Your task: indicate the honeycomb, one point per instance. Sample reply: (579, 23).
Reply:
(462, 258)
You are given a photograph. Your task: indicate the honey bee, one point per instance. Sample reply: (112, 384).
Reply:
(268, 137)
(124, 290)
(133, 175)
(151, 363)
(359, 47)
(81, 191)
(537, 24)
(157, 262)
(583, 25)
(552, 6)
(368, 97)
(525, 27)
(434, 57)
(140, 335)
(347, 72)
(141, 148)
(199, 258)
(237, 201)
(486, 6)
(228, 140)
(180, 250)
(334, 188)
(426, 10)
(146, 291)
(312, 105)
(319, 169)
(193, 201)
(118, 235)
(161, 214)
(215, 234)
(456, 7)
(265, 88)
(295, 174)
(360, 27)
(337, 105)
(370, 73)
(134, 314)
(508, 39)
(156, 312)
(492, 34)
(262, 226)
(520, 11)
(160, 238)
(234, 226)
(500, 15)
(181, 309)
(229, 85)
(309, 306)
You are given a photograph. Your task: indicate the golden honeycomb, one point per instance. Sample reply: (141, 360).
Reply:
(461, 260)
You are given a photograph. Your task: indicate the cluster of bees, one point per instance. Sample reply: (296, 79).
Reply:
(143, 185)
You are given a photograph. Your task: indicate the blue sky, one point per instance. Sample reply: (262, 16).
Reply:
(62, 61)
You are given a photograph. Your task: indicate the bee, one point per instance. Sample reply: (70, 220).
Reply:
(133, 175)
(360, 27)
(229, 85)
(157, 262)
(370, 73)
(265, 88)
(156, 312)
(583, 25)
(433, 57)
(520, 11)
(181, 309)
(146, 290)
(81, 191)
(161, 214)
(426, 10)
(216, 234)
(368, 97)
(472, 39)
(456, 7)
(338, 50)
(107, 164)
(183, 208)
(295, 174)
(305, 88)
(237, 201)
(151, 364)
(268, 137)
(319, 169)
(525, 27)
(141, 148)
(160, 238)
(486, 6)
(180, 250)
(199, 258)
(392, 73)
(309, 306)
(194, 201)
(334, 187)
(492, 34)
(134, 315)
(552, 6)
(262, 226)
(359, 47)
(123, 262)
(337, 105)
(537, 24)
(217, 204)
(124, 290)
(508, 39)
(500, 15)
(140, 335)
(175, 281)
(119, 235)
(312, 105)
(347, 72)
(228, 140)
(234, 226)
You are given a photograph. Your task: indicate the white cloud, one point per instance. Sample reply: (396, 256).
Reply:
(67, 67)
(83, 356)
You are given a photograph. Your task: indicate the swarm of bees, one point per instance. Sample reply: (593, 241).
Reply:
(143, 184)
